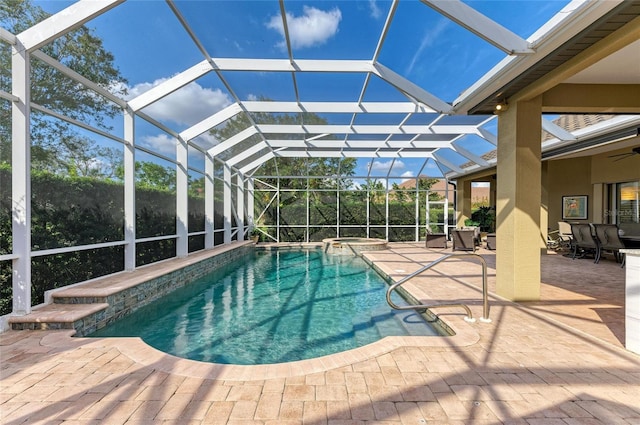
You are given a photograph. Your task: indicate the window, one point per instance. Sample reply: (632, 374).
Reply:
(626, 211)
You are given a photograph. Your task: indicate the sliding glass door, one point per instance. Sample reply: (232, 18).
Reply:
(627, 207)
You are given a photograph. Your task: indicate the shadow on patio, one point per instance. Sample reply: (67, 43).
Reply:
(534, 363)
(589, 297)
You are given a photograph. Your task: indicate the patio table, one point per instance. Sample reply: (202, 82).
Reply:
(631, 241)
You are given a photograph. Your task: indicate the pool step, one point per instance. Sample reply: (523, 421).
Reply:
(60, 316)
(386, 321)
(414, 323)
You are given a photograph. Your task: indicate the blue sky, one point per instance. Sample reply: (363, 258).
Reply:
(423, 46)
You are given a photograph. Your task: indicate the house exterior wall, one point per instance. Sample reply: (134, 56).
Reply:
(568, 177)
(588, 175)
(607, 170)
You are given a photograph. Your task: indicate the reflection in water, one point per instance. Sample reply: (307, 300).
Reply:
(277, 306)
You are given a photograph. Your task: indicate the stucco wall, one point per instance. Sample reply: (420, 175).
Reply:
(588, 176)
(568, 177)
(607, 170)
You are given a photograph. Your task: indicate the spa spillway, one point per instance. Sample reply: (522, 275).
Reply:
(352, 246)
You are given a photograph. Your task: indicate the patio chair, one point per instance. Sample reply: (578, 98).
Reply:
(554, 240)
(464, 240)
(476, 233)
(609, 239)
(584, 241)
(491, 241)
(565, 235)
(436, 240)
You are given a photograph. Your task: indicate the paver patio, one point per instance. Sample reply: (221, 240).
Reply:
(557, 361)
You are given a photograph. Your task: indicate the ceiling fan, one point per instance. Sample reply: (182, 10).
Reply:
(634, 151)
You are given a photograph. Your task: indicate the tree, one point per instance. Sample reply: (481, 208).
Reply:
(152, 176)
(155, 176)
(55, 141)
(376, 190)
(425, 183)
(400, 192)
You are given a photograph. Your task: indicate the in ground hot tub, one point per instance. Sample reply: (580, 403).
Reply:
(352, 246)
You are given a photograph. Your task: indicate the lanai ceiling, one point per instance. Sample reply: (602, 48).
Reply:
(386, 93)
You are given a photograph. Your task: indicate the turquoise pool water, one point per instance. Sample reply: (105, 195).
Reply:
(277, 306)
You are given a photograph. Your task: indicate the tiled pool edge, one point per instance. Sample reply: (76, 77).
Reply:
(145, 355)
(103, 304)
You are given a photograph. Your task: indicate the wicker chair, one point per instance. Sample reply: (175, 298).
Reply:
(464, 240)
(436, 240)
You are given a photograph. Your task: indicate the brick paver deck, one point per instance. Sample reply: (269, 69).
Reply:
(556, 361)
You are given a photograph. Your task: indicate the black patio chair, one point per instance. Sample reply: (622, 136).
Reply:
(609, 240)
(584, 241)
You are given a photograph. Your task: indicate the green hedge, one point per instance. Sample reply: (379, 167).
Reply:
(72, 211)
(5, 288)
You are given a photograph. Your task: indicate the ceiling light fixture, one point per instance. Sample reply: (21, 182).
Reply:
(501, 107)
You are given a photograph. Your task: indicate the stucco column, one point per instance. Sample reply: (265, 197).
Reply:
(518, 201)
(597, 207)
(463, 201)
(492, 191)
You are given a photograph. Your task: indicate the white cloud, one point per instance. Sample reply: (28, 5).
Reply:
(161, 143)
(431, 165)
(398, 165)
(384, 165)
(380, 165)
(314, 27)
(164, 144)
(428, 39)
(186, 106)
(374, 9)
(140, 88)
(407, 175)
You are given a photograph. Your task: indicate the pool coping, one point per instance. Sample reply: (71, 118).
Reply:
(137, 350)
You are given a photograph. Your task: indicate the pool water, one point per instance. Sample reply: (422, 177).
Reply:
(277, 306)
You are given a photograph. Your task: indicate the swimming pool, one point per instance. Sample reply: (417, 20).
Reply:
(277, 306)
